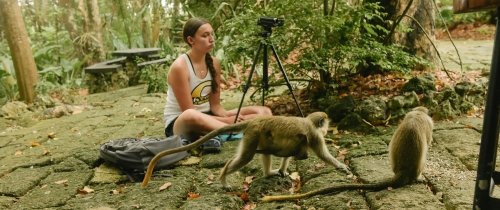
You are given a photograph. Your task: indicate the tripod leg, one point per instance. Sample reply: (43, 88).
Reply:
(249, 82)
(286, 79)
(265, 74)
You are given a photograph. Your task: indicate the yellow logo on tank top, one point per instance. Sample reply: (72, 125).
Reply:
(200, 93)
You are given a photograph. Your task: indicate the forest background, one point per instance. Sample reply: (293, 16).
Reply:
(324, 44)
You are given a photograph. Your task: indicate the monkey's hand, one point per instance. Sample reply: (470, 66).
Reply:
(278, 172)
(345, 169)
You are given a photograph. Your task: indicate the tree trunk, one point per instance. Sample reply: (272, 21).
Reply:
(145, 22)
(175, 27)
(85, 15)
(156, 23)
(96, 28)
(122, 11)
(90, 39)
(68, 20)
(420, 17)
(20, 49)
(41, 11)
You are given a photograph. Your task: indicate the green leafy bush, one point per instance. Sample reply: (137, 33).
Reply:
(326, 47)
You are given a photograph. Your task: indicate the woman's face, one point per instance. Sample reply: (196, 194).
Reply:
(203, 39)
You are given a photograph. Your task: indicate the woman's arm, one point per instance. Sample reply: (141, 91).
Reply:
(215, 105)
(178, 80)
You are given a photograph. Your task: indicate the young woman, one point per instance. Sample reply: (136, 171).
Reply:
(193, 105)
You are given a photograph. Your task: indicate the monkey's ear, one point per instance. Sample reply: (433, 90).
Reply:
(321, 122)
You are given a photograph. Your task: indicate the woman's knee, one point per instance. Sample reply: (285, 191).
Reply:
(264, 110)
(257, 110)
(190, 116)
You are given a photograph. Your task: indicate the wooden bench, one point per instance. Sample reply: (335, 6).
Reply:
(106, 66)
(107, 75)
(117, 73)
(102, 68)
(158, 61)
(154, 57)
(120, 60)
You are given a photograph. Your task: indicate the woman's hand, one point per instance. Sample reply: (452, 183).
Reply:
(241, 118)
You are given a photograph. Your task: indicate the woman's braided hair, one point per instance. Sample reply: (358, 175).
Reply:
(190, 28)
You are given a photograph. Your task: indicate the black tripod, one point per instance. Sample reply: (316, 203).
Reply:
(265, 78)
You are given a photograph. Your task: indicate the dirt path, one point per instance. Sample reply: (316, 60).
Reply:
(53, 164)
(475, 54)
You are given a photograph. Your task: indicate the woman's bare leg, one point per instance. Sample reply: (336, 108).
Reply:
(193, 121)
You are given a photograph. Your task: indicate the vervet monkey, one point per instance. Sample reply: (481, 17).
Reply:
(407, 152)
(280, 136)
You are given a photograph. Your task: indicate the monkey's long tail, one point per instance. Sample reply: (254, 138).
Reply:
(228, 128)
(331, 189)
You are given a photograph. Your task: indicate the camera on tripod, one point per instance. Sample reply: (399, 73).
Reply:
(268, 22)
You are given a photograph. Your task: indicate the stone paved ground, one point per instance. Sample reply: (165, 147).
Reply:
(53, 164)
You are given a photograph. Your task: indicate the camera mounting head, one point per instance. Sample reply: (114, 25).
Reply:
(268, 23)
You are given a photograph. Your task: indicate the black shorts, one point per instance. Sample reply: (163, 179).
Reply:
(169, 130)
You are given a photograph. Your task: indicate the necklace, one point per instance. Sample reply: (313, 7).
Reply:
(199, 72)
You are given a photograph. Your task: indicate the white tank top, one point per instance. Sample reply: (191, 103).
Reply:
(200, 92)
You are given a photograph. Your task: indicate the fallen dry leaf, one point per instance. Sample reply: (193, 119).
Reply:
(46, 151)
(341, 154)
(192, 195)
(470, 126)
(51, 135)
(294, 176)
(320, 165)
(63, 182)
(35, 144)
(249, 179)
(211, 177)
(333, 130)
(18, 153)
(245, 197)
(296, 182)
(115, 192)
(349, 203)
(245, 186)
(85, 190)
(165, 186)
(249, 206)
(120, 189)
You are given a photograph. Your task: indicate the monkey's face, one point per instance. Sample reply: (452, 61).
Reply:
(324, 128)
(320, 121)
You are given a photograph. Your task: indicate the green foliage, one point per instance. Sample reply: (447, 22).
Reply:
(326, 47)
(452, 19)
(65, 74)
(322, 47)
(56, 64)
(155, 77)
(8, 85)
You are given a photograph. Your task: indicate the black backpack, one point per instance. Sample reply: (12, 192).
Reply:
(132, 155)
